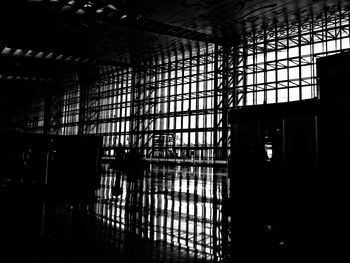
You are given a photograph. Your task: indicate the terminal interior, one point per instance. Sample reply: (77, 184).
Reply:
(173, 131)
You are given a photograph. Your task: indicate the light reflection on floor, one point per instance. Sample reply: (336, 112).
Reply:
(181, 205)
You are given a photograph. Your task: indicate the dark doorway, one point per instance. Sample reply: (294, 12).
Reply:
(274, 171)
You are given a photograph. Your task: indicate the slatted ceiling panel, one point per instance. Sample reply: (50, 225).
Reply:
(41, 29)
(19, 53)
(151, 28)
(135, 32)
(67, 33)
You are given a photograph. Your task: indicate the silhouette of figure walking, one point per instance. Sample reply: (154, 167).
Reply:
(134, 172)
(119, 166)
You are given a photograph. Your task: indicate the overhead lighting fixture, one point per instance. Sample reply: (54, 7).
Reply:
(80, 12)
(123, 16)
(39, 55)
(6, 51)
(66, 8)
(59, 57)
(18, 52)
(99, 11)
(48, 56)
(112, 7)
(88, 4)
(29, 53)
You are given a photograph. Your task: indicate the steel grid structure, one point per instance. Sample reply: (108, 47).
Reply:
(278, 63)
(62, 107)
(177, 97)
(174, 107)
(167, 107)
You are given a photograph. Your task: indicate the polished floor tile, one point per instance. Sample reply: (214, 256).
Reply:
(166, 214)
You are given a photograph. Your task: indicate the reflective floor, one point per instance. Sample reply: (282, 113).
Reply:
(166, 214)
(181, 207)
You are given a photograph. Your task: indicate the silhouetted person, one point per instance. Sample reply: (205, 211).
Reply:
(134, 163)
(134, 173)
(118, 165)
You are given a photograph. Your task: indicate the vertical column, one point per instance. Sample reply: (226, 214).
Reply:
(223, 71)
(224, 97)
(87, 115)
(216, 149)
(135, 109)
(47, 110)
(189, 97)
